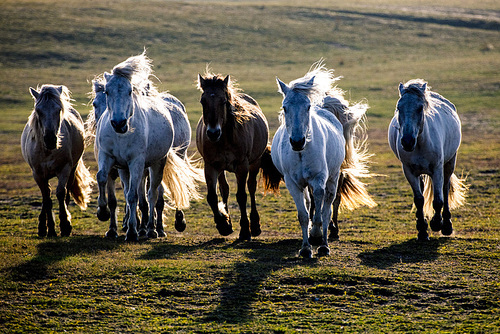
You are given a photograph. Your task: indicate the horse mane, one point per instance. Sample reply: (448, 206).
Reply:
(421, 89)
(137, 70)
(50, 93)
(240, 107)
(98, 86)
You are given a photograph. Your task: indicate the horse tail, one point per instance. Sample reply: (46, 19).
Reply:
(456, 195)
(355, 165)
(180, 177)
(81, 187)
(270, 174)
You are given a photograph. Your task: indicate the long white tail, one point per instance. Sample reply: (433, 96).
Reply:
(180, 180)
(456, 196)
(355, 165)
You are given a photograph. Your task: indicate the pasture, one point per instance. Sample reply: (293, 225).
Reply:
(378, 277)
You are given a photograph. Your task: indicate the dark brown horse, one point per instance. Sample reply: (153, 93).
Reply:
(232, 135)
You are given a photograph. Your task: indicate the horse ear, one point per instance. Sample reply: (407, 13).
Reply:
(107, 76)
(283, 88)
(401, 88)
(226, 80)
(201, 82)
(60, 89)
(34, 93)
(311, 82)
(98, 86)
(424, 87)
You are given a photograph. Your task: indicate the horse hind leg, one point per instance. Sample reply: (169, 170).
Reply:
(255, 229)
(159, 206)
(64, 179)
(334, 224)
(449, 168)
(438, 202)
(112, 232)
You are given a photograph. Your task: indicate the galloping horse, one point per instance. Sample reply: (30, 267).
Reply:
(52, 144)
(315, 150)
(232, 135)
(182, 140)
(136, 132)
(425, 135)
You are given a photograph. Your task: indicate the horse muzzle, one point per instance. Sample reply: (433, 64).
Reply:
(298, 145)
(120, 126)
(408, 143)
(50, 141)
(214, 134)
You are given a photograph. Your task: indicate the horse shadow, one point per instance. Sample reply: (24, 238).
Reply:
(409, 251)
(56, 250)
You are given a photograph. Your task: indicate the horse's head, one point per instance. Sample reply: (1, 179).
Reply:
(119, 101)
(99, 102)
(296, 112)
(411, 111)
(49, 108)
(215, 101)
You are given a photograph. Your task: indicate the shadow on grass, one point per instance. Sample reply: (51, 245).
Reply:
(55, 250)
(410, 251)
(243, 283)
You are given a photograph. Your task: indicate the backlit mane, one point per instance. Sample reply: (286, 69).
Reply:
(239, 107)
(137, 70)
(416, 87)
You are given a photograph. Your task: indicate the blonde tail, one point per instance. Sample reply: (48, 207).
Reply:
(81, 187)
(180, 179)
(355, 165)
(456, 196)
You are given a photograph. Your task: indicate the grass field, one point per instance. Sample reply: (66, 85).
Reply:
(378, 278)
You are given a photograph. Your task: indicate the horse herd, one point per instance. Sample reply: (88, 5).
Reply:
(319, 151)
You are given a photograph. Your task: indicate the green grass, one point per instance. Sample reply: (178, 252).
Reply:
(378, 278)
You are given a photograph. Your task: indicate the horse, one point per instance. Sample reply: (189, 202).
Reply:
(182, 140)
(135, 133)
(52, 144)
(232, 135)
(425, 134)
(316, 151)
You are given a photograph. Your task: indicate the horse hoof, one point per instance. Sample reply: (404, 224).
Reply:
(180, 225)
(52, 233)
(447, 229)
(111, 234)
(103, 214)
(132, 237)
(161, 233)
(255, 230)
(436, 225)
(245, 236)
(66, 232)
(42, 233)
(423, 236)
(315, 241)
(224, 229)
(152, 234)
(306, 253)
(323, 250)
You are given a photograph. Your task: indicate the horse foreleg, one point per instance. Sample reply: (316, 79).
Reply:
(437, 183)
(316, 235)
(449, 168)
(155, 177)
(254, 214)
(241, 198)
(222, 219)
(136, 170)
(105, 164)
(334, 223)
(45, 219)
(112, 203)
(65, 177)
(302, 214)
(224, 190)
(418, 199)
(143, 205)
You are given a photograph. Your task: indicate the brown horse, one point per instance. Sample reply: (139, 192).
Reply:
(232, 135)
(52, 144)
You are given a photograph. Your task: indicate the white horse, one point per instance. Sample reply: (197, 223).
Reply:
(182, 140)
(52, 144)
(425, 134)
(315, 147)
(134, 133)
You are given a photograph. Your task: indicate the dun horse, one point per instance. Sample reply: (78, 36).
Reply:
(425, 135)
(52, 144)
(232, 135)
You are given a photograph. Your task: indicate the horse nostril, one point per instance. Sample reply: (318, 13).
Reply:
(408, 143)
(298, 145)
(119, 126)
(213, 134)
